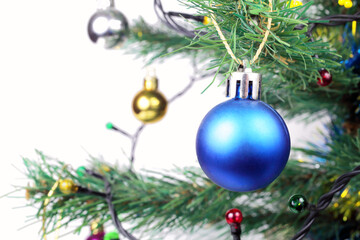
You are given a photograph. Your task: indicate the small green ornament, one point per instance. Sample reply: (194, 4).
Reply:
(109, 125)
(297, 203)
(112, 236)
(81, 171)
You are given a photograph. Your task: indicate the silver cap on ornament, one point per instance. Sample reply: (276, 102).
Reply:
(244, 84)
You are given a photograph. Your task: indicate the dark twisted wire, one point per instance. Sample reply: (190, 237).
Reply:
(330, 21)
(324, 201)
(168, 18)
(109, 197)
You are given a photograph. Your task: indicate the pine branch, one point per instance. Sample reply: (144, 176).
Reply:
(289, 61)
(154, 42)
(185, 198)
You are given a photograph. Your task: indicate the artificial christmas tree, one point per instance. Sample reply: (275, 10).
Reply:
(297, 48)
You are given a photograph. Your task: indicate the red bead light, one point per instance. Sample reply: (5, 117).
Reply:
(234, 216)
(325, 79)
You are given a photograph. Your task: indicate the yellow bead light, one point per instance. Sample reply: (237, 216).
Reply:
(206, 20)
(345, 193)
(345, 3)
(348, 4)
(295, 3)
(354, 28)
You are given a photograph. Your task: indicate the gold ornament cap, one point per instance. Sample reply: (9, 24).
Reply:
(151, 81)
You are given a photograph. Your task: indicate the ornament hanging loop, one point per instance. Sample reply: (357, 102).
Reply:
(245, 64)
(244, 83)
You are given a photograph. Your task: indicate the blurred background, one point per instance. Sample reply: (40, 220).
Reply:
(58, 90)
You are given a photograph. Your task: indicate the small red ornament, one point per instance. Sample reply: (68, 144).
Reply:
(234, 216)
(325, 79)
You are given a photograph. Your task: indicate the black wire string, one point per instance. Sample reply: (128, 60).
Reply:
(133, 138)
(236, 231)
(330, 21)
(134, 143)
(325, 201)
(334, 20)
(126, 134)
(168, 18)
(187, 88)
(193, 79)
(109, 197)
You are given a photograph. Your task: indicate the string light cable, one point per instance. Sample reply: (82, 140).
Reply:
(324, 201)
(170, 19)
(330, 21)
(109, 198)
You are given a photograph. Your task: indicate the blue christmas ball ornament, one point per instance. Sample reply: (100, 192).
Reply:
(243, 144)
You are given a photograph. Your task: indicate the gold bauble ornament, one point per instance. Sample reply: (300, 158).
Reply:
(67, 186)
(149, 105)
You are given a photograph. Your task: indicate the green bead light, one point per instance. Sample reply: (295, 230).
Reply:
(81, 171)
(112, 236)
(109, 125)
(297, 203)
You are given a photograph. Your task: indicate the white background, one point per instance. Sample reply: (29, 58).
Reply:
(58, 90)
